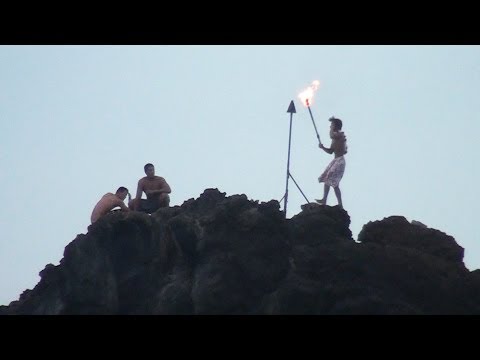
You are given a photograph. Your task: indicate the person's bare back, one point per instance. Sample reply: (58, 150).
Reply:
(108, 202)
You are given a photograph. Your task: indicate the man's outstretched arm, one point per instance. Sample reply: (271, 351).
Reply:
(328, 150)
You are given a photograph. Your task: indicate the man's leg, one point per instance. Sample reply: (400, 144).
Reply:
(326, 189)
(141, 205)
(132, 204)
(164, 200)
(339, 196)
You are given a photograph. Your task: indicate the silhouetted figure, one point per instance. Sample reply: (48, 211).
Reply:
(155, 188)
(334, 171)
(108, 202)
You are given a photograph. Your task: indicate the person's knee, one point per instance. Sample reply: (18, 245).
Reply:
(133, 204)
(164, 200)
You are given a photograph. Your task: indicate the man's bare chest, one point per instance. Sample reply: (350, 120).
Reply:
(152, 184)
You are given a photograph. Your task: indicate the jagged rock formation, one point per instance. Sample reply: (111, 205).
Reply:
(229, 255)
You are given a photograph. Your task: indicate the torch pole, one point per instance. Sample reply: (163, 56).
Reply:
(313, 121)
(291, 110)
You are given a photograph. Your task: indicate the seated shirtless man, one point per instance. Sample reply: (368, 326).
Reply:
(108, 202)
(155, 188)
(334, 171)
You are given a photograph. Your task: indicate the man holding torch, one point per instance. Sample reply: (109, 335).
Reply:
(334, 171)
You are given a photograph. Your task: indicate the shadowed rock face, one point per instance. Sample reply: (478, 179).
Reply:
(229, 255)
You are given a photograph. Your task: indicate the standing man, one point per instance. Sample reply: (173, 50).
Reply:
(334, 171)
(108, 202)
(155, 188)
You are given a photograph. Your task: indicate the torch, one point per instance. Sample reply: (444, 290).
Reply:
(306, 97)
(315, 126)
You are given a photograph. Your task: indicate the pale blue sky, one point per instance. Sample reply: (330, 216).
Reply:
(79, 121)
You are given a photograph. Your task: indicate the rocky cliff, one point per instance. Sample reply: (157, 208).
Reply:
(230, 255)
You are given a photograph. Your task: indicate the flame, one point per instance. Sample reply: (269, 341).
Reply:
(306, 96)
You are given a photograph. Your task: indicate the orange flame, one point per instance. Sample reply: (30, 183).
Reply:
(306, 96)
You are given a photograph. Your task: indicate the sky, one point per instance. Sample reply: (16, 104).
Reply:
(77, 122)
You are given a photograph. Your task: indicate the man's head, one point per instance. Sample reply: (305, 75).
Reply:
(122, 192)
(149, 170)
(336, 124)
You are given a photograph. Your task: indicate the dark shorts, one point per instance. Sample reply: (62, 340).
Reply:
(150, 205)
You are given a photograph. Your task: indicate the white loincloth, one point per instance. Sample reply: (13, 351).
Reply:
(334, 172)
